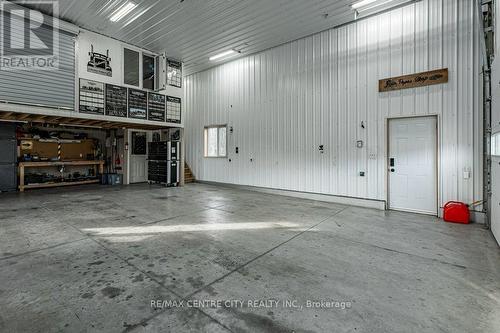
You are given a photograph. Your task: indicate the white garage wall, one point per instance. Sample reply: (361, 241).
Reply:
(495, 199)
(285, 102)
(495, 124)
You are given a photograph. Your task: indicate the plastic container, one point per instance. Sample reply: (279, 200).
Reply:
(456, 212)
(114, 179)
(111, 179)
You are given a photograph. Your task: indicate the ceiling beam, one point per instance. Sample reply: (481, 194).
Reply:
(56, 120)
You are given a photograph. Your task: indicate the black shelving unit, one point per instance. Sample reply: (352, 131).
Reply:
(163, 166)
(8, 157)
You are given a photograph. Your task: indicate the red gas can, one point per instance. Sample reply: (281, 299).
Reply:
(456, 212)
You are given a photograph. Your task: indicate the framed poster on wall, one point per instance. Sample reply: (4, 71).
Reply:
(91, 97)
(116, 101)
(156, 107)
(137, 104)
(174, 73)
(99, 63)
(173, 110)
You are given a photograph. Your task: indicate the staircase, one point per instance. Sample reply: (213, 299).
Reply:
(188, 175)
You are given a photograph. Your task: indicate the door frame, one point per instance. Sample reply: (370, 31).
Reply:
(438, 158)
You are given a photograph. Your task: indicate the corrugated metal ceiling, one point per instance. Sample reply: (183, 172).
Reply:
(194, 30)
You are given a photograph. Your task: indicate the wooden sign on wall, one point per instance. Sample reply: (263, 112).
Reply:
(414, 80)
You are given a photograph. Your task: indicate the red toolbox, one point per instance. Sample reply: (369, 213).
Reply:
(456, 212)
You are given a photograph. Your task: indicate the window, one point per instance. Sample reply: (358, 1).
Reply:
(495, 144)
(139, 69)
(215, 141)
(131, 67)
(148, 72)
(139, 143)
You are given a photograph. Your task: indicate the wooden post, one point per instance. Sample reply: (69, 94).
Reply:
(21, 177)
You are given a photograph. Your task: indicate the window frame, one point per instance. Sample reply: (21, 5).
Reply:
(142, 53)
(495, 144)
(205, 141)
(155, 79)
(139, 78)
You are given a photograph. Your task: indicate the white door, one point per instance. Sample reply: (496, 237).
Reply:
(138, 156)
(413, 165)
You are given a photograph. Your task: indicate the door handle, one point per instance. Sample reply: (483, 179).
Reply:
(393, 170)
(392, 162)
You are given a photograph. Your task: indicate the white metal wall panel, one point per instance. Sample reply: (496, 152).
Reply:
(285, 102)
(495, 199)
(495, 124)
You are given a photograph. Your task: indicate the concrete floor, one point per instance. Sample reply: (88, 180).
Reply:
(93, 258)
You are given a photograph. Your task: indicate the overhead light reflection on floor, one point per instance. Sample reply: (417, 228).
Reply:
(126, 238)
(158, 229)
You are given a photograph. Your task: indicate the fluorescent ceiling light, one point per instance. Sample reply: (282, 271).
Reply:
(223, 55)
(136, 17)
(122, 11)
(362, 3)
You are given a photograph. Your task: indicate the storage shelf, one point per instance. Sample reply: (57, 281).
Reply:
(58, 163)
(23, 165)
(83, 182)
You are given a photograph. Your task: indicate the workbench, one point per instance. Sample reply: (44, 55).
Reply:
(23, 165)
